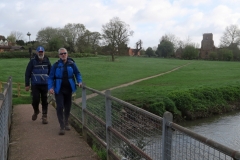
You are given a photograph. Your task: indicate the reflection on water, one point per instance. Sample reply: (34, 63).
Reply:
(224, 129)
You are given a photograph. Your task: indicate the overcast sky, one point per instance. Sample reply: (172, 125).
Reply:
(149, 19)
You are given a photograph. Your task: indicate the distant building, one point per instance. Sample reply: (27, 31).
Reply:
(5, 46)
(2, 38)
(3, 41)
(134, 52)
(207, 46)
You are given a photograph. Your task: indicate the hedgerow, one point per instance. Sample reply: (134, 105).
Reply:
(193, 103)
(24, 54)
(203, 102)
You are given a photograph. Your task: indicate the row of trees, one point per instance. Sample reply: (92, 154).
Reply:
(228, 48)
(168, 46)
(114, 39)
(77, 38)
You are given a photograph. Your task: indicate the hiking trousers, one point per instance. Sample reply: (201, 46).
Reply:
(39, 92)
(64, 102)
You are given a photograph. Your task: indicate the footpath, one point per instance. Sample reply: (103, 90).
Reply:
(133, 82)
(32, 140)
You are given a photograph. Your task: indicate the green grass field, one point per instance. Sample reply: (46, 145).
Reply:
(195, 75)
(205, 78)
(99, 72)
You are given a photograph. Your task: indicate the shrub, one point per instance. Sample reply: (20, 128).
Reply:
(190, 52)
(213, 56)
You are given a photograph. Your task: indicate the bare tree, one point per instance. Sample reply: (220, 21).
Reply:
(17, 35)
(115, 33)
(11, 40)
(230, 35)
(139, 44)
(188, 42)
(14, 36)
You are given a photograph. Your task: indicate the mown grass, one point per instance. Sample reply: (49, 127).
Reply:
(197, 90)
(195, 75)
(200, 87)
(97, 72)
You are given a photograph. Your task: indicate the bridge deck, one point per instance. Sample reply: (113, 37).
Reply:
(33, 140)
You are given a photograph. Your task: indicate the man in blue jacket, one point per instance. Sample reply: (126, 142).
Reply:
(38, 70)
(62, 83)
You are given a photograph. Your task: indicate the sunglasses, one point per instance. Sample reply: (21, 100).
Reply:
(62, 53)
(40, 52)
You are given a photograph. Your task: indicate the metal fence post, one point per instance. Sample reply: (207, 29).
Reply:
(6, 122)
(108, 119)
(2, 127)
(166, 136)
(84, 106)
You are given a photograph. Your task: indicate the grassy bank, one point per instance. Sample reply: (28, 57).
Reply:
(198, 90)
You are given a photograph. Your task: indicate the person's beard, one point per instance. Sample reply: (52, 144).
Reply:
(40, 56)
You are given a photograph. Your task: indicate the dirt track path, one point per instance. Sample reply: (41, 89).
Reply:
(78, 100)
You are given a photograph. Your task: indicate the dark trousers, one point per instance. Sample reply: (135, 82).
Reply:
(39, 91)
(64, 102)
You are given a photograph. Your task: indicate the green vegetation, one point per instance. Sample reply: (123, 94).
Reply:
(102, 153)
(25, 54)
(198, 89)
(165, 49)
(149, 52)
(190, 52)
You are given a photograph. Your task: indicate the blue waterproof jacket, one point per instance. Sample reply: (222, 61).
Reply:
(37, 71)
(56, 75)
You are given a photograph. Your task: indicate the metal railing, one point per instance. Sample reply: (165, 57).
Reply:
(5, 118)
(130, 133)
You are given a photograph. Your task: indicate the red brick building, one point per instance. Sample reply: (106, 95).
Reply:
(207, 46)
(134, 52)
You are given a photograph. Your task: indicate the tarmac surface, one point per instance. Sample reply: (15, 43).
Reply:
(32, 140)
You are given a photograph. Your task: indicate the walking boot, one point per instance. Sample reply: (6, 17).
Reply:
(61, 132)
(35, 114)
(67, 126)
(44, 119)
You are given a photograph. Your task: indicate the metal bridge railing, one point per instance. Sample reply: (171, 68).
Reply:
(131, 133)
(5, 118)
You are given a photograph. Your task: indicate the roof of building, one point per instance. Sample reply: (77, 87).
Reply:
(2, 38)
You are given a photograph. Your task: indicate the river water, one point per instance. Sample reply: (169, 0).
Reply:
(224, 129)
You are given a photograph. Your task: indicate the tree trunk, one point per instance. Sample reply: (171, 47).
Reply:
(113, 57)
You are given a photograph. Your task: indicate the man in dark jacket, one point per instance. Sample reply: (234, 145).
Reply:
(37, 71)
